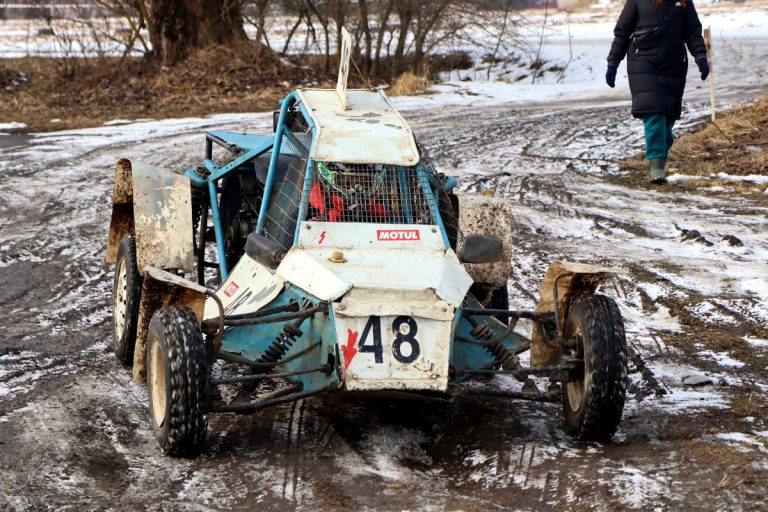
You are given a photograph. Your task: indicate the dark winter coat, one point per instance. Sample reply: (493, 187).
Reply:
(657, 75)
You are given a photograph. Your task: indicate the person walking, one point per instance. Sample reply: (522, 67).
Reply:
(653, 35)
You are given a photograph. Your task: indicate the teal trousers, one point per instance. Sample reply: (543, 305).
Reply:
(658, 135)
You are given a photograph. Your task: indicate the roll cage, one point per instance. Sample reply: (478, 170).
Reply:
(287, 188)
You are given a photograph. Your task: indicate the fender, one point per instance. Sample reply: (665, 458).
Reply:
(160, 288)
(156, 206)
(574, 281)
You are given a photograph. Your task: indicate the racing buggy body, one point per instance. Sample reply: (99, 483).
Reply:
(329, 256)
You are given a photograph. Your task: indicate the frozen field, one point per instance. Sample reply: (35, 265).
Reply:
(74, 426)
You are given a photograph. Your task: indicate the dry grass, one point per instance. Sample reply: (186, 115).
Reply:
(409, 84)
(216, 80)
(737, 145)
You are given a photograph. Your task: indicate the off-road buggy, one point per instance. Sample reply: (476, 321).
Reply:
(338, 262)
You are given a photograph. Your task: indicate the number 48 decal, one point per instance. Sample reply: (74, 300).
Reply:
(401, 323)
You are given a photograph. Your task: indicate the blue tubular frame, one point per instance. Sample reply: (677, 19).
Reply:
(287, 103)
(421, 173)
(403, 184)
(218, 172)
(307, 178)
(217, 228)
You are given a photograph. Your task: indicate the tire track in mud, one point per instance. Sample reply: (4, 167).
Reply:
(335, 452)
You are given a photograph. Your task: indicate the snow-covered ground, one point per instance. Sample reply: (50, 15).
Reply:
(73, 425)
(60, 387)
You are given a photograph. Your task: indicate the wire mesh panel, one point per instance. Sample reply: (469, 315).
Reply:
(369, 193)
(284, 202)
(448, 203)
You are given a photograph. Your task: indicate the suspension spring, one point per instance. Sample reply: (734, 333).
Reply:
(284, 341)
(504, 357)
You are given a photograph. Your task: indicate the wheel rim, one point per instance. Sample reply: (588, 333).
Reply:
(120, 303)
(157, 390)
(575, 388)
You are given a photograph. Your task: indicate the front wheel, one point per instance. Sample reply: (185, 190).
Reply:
(177, 381)
(593, 401)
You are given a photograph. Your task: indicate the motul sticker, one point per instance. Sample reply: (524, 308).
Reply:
(231, 288)
(399, 235)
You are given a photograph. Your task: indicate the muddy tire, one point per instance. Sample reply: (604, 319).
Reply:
(594, 401)
(126, 292)
(177, 381)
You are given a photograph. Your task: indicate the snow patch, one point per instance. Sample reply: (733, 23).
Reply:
(636, 488)
(116, 122)
(751, 178)
(721, 358)
(756, 342)
(4, 127)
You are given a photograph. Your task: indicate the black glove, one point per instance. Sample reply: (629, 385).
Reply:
(610, 76)
(703, 67)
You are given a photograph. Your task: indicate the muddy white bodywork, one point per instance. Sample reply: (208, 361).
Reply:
(395, 282)
(155, 205)
(369, 116)
(249, 287)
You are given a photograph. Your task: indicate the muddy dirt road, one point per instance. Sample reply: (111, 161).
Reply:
(74, 426)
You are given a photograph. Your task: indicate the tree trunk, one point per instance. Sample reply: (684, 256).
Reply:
(339, 18)
(366, 34)
(428, 17)
(261, 6)
(405, 13)
(324, 22)
(383, 21)
(181, 27)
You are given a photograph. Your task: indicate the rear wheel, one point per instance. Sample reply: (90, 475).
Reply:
(593, 401)
(177, 381)
(126, 293)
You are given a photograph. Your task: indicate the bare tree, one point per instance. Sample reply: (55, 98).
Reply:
(177, 28)
(383, 21)
(258, 20)
(429, 14)
(366, 33)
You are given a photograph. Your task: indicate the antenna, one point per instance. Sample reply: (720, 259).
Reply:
(344, 55)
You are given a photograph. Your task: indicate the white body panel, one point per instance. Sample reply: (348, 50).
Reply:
(378, 257)
(247, 289)
(386, 343)
(367, 129)
(391, 276)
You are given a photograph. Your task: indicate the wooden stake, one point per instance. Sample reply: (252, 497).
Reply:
(708, 42)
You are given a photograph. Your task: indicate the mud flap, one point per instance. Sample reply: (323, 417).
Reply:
(121, 223)
(156, 205)
(162, 213)
(574, 280)
(161, 288)
(491, 217)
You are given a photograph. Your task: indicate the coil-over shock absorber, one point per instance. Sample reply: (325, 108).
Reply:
(504, 357)
(285, 340)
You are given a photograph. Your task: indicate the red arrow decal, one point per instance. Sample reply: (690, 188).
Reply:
(350, 349)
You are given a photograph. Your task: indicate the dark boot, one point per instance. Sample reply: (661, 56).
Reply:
(657, 174)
